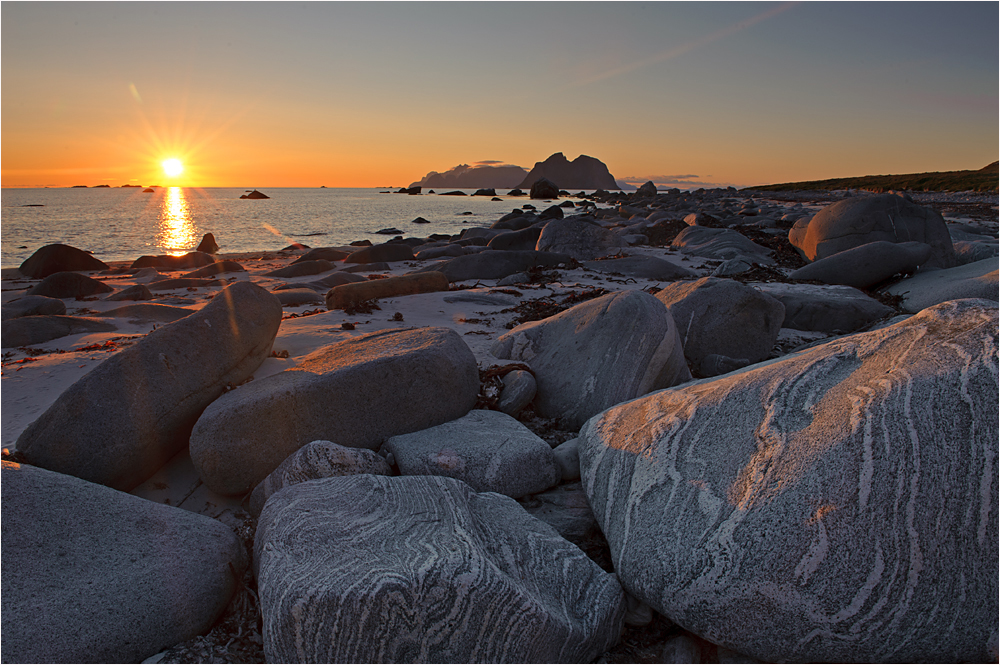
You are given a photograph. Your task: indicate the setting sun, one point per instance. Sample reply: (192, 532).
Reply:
(173, 167)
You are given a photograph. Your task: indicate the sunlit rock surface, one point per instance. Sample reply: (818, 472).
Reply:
(835, 505)
(423, 569)
(122, 421)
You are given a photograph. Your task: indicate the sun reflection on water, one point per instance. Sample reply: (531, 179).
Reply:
(177, 233)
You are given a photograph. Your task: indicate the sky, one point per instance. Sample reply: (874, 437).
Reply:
(378, 94)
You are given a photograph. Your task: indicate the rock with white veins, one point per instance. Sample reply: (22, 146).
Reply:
(835, 505)
(318, 459)
(423, 569)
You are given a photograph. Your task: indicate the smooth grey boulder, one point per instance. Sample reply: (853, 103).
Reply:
(137, 292)
(438, 252)
(521, 240)
(381, 253)
(646, 267)
(315, 460)
(723, 316)
(842, 498)
(217, 268)
(359, 391)
(721, 244)
(973, 280)
(93, 575)
(970, 252)
(68, 285)
(338, 278)
(568, 458)
(144, 312)
(866, 265)
(860, 220)
(495, 264)
(488, 450)
(831, 309)
(314, 267)
(519, 389)
(296, 297)
(28, 330)
(597, 354)
(57, 257)
(32, 306)
(124, 419)
(579, 239)
(422, 569)
(732, 267)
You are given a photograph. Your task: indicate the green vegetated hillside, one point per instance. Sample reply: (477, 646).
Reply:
(983, 180)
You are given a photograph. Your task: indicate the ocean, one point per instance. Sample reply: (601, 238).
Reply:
(121, 224)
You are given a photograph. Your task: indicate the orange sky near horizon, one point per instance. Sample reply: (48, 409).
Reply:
(355, 95)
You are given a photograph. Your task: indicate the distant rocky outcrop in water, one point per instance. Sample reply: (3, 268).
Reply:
(482, 176)
(582, 173)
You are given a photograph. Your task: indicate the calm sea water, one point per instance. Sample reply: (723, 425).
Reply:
(121, 224)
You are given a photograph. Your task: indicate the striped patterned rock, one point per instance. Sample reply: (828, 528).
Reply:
(423, 569)
(838, 505)
(319, 459)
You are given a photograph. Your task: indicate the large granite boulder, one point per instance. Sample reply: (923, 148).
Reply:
(68, 285)
(543, 188)
(645, 267)
(830, 309)
(146, 312)
(866, 265)
(863, 219)
(296, 297)
(134, 292)
(720, 244)
(597, 354)
(369, 568)
(124, 419)
(522, 240)
(359, 392)
(208, 245)
(972, 280)
(489, 450)
(495, 264)
(183, 283)
(51, 259)
(315, 460)
(724, 317)
(93, 575)
(32, 306)
(30, 330)
(579, 239)
(324, 253)
(837, 505)
(346, 295)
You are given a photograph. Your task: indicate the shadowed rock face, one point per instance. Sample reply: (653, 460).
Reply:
(423, 569)
(92, 575)
(582, 173)
(55, 258)
(122, 421)
(842, 500)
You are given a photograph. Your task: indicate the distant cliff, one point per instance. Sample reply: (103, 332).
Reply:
(582, 173)
(464, 176)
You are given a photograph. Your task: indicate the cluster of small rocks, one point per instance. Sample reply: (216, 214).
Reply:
(835, 503)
